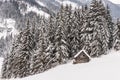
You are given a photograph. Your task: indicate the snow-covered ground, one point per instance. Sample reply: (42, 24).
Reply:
(106, 67)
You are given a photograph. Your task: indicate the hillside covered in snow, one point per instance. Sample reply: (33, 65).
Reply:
(51, 39)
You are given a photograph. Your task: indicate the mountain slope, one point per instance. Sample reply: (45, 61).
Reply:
(48, 6)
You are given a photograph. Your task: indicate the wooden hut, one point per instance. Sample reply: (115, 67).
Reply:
(81, 57)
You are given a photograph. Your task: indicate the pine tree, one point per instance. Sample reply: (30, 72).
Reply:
(50, 59)
(58, 47)
(75, 30)
(77, 23)
(110, 25)
(68, 25)
(95, 29)
(116, 36)
(51, 29)
(102, 28)
(39, 56)
(86, 30)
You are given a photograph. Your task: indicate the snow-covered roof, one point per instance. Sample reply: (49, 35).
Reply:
(81, 52)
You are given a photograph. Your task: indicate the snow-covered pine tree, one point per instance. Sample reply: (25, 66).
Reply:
(77, 24)
(101, 27)
(51, 29)
(68, 28)
(50, 59)
(110, 25)
(18, 62)
(86, 30)
(116, 35)
(95, 30)
(60, 51)
(40, 26)
(34, 28)
(85, 35)
(61, 48)
(39, 56)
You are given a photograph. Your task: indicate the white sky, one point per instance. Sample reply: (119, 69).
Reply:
(115, 1)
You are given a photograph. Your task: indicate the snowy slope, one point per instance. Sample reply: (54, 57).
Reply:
(104, 68)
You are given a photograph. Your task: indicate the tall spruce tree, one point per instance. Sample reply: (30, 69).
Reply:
(76, 25)
(39, 55)
(110, 25)
(78, 17)
(68, 27)
(116, 35)
(58, 48)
